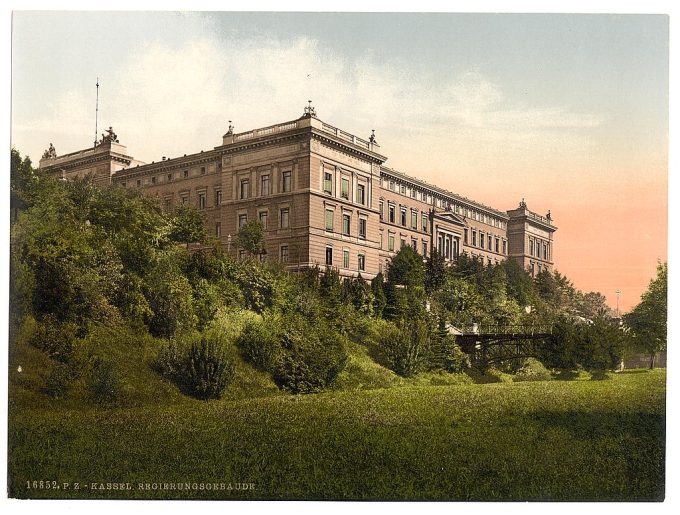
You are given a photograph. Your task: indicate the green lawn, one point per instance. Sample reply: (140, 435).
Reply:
(553, 440)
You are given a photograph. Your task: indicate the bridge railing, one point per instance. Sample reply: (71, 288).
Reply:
(509, 329)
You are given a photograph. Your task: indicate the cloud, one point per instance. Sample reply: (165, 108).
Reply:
(172, 99)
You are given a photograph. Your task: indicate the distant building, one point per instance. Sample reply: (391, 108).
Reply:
(324, 197)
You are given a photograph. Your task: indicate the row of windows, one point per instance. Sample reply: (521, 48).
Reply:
(403, 240)
(403, 215)
(168, 177)
(346, 223)
(201, 199)
(361, 259)
(437, 201)
(488, 242)
(539, 249)
(263, 217)
(329, 187)
(264, 184)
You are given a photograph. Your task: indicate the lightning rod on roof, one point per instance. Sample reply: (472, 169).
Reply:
(96, 114)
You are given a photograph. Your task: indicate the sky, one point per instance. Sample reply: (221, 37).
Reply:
(569, 112)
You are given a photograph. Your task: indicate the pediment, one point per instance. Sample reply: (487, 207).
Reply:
(451, 218)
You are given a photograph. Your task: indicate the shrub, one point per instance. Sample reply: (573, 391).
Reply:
(313, 356)
(59, 381)
(532, 370)
(447, 355)
(207, 371)
(407, 350)
(303, 355)
(200, 369)
(55, 338)
(104, 382)
(260, 344)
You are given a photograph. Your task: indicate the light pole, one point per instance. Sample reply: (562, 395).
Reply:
(618, 293)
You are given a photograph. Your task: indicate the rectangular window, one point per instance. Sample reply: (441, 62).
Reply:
(284, 253)
(218, 229)
(381, 241)
(345, 188)
(545, 251)
(201, 201)
(345, 224)
(413, 193)
(392, 185)
(263, 219)
(361, 194)
(329, 256)
(244, 188)
(425, 218)
(414, 219)
(286, 181)
(362, 263)
(139, 182)
(153, 180)
(465, 236)
(531, 247)
(403, 216)
(168, 205)
(425, 249)
(218, 198)
(169, 177)
(505, 247)
(284, 218)
(202, 170)
(329, 219)
(474, 238)
(489, 241)
(481, 239)
(328, 182)
(414, 244)
(381, 208)
(403, 243)
(345, 258)
(392, 209)
(264, 185)
(185, 173)
(242, 220)
(185, 200)
(402, 189)
(362, 228)
(390, 243)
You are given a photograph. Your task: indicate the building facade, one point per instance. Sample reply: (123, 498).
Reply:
(324, 197)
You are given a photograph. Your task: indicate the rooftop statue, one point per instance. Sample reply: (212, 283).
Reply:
(109, 137)
(50, 153)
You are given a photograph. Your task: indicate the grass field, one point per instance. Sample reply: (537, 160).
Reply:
(552, 440)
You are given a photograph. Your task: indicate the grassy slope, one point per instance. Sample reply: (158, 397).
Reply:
(556, 440)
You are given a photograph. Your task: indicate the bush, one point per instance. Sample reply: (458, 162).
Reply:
(447, 355)
(200, 369)
(59, 381)
(55, 338)
(303, 356)
(260, 344)
(407, 349)
(313, 356)
(104, 382)
(532, 370)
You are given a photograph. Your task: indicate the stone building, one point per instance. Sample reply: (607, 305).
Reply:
(324, 197)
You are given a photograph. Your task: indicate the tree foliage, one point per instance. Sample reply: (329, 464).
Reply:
(648, 320)
(250, 237)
